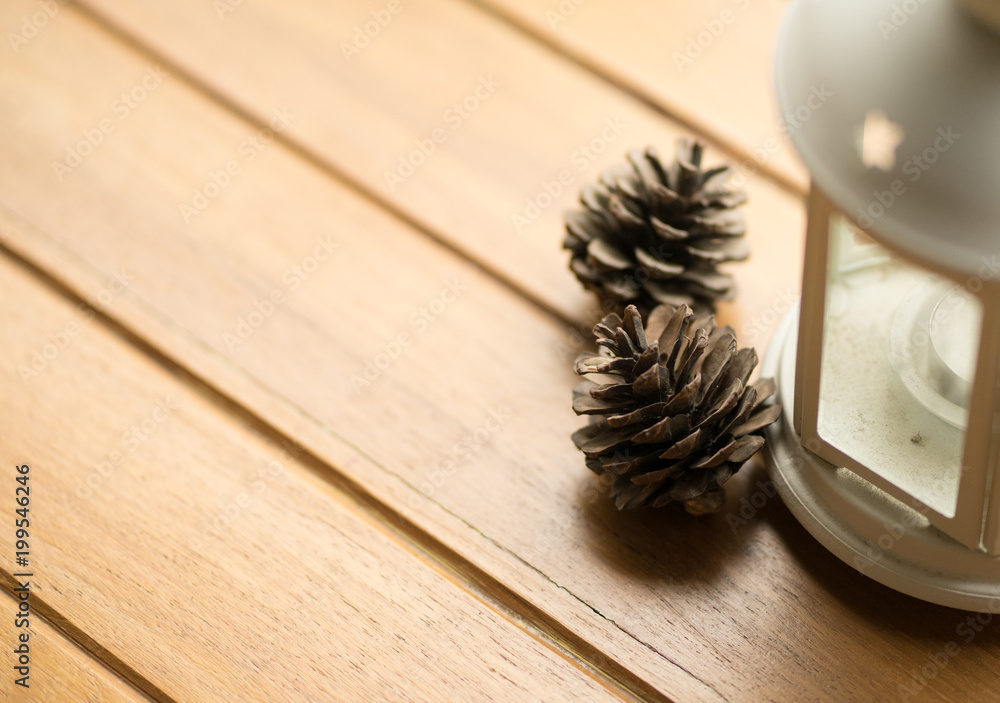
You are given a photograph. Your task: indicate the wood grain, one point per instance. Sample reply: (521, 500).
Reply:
(742, 605)
(206, 558)
(366, 236)
(709, 64)
(359, 117)
(60, 671)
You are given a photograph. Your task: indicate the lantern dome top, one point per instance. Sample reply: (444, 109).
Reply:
(894, 106)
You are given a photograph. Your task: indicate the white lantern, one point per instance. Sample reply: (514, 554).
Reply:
(889, 450)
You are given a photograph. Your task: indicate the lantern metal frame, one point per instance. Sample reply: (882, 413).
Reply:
(865, 519)
(858, 513)
(967, 523)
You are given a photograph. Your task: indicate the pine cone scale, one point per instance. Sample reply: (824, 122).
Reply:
(648, 383)
(666, 430)
(719, 251)
(601, 254)
(758, 421)
(632, 324)
(683, 448)
(715, 362)
(644, 228)
(586, 405)
(742, 413)
(684, 400)
(724, 404)
(658, 269)
(624, 343)
(747, 446)
(609, 391)
(712, 174)
(667, 233)
(644, 413)
(606, 440)
(689, 486)
(647, 173)
(681, 419)
(719, 456)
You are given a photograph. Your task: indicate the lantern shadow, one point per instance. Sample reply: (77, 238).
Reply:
(881, 606)
(667, 545)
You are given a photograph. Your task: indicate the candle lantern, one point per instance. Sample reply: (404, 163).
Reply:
(888, 369)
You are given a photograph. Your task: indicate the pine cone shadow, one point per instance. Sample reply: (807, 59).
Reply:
(885, 608)
(669, 545)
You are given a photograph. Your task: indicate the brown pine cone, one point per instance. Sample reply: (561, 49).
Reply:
(651, 235)
(672, 418)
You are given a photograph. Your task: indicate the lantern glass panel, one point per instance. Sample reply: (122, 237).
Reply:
(898, 362)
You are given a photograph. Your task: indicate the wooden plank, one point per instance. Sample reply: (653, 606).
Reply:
(208, 559)
(709, 64)
(146, 165)
(715, 597)
(215, 139)
(58, 669)
(362, 114)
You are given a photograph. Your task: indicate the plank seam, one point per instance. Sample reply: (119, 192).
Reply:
(88, 644)
(477, 581)
(589, 606)
(413, 533)
(665, 108)
(314, 159)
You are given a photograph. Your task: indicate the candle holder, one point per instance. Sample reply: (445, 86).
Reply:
(888, 369)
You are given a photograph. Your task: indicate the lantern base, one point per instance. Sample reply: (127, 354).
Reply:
(876, 534)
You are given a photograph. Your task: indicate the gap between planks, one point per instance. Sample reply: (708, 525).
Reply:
(302, 150)
(474, 578)
(667, 109)
(103, 656)
(452, 565)
(313, 158)
(348, 181)
(479, 581)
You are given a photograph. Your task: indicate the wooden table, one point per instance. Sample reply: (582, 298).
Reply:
(293, 381)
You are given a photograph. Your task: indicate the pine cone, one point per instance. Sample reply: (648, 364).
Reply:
(672, 418)
(650, 235)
